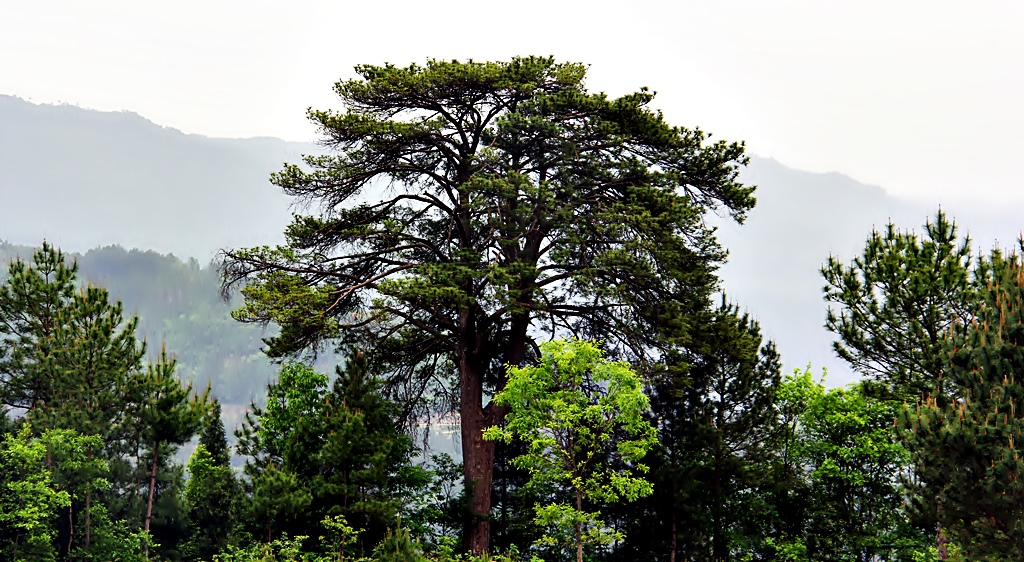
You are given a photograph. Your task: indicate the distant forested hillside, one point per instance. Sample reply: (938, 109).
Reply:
(179, 305)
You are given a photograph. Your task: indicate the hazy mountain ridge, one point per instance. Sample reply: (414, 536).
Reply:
(145, 186)
(156, 188)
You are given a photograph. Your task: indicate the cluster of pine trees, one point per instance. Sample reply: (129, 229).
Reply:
(494, 241)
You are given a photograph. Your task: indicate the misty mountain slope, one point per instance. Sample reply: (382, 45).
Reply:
(83, 179)
(800, 219)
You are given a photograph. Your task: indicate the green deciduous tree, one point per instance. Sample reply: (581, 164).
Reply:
(471, 207)
(846, 442)
(29, 499)
(583, 418)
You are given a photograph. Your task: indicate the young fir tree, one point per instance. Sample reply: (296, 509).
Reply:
(170, 416)
(715, 410)
(68, 357)
(967, 448)
(315, 451)
(897, 301)
(518, 204)
(211, 494)
(65, 354)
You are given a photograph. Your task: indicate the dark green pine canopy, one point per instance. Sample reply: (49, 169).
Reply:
(468, 210)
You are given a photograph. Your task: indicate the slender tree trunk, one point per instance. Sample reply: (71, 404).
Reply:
(579, 527)
(940, 539)
(88, 511)
(152, 486)
(717, 540)
(88, 520)
(71, 528)
(673, 540)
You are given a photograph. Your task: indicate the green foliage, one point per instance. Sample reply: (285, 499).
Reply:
(714, 404)
(212, 492)
(314, 452)
(583, 418)
(398, 546)
(435, 512)
(210, 497)
(178, 301)
(29, 499)
(965, 448)
(846, 444)
(519, 204)
(64, 353)
(171, 414)
(896, 303)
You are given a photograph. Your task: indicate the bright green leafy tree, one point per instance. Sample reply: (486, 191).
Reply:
(846, 443)
(472, 208)
(29, 499)
(583, 418)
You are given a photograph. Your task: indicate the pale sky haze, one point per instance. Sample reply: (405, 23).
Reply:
(921, 97)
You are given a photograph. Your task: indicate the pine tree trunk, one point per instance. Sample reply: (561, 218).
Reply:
(88, 520)
(940, 539)
(478, 459)
(673, 540)
(152, 486)
(477, 453)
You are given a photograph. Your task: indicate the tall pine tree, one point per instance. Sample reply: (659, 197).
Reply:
(471, 210)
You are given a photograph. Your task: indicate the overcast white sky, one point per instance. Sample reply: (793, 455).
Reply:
(925, 98)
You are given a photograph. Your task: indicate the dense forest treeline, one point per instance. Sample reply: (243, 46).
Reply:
(178, 304)
(541, 267)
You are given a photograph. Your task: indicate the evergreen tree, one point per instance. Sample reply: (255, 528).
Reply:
(897, 301)
(171, 415)
(31, 299)
(210, 497)
(966, 448)
(715, 410)
(314, 451)
(214, 438)
(211, 494)
(519, 205)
